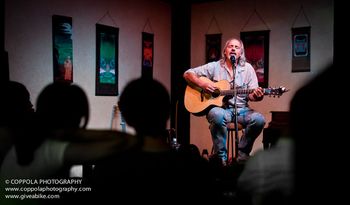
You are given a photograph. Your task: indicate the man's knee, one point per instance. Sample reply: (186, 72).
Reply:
(259, 120)
(216, 115)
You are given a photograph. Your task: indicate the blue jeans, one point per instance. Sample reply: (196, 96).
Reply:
(252, 121)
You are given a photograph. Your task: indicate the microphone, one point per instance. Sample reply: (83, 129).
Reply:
(233, 60)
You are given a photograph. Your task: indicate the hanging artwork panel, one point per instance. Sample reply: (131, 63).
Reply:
(62, 48)
(212, 47)
(147, 54)
(107, 38)
(256, 46)
(301, 49)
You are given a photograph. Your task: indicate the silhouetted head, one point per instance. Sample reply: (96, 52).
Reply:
(62, 106)
(15, 103)
(145, 105)
(319, 133)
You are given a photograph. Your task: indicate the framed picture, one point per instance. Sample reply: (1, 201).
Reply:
(256, 46)
(301, 49)
(212, 47)
(62, 48)
(106, 60)
(147, 54)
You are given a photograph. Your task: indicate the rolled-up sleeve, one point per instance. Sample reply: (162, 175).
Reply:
(206, 70)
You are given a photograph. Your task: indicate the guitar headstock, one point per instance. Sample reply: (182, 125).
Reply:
(275, 91)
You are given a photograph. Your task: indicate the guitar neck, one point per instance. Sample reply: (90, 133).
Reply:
(266, 91)
(239, 91)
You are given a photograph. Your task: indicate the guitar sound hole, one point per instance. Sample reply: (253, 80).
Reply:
(216, 93)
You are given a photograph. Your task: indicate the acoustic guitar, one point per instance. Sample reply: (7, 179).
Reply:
(198, 102)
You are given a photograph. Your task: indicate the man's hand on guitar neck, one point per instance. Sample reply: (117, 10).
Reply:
(257, 94)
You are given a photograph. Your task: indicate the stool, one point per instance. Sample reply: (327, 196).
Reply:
(233, 139)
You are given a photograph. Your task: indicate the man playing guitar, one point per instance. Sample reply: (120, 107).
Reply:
(217, 116)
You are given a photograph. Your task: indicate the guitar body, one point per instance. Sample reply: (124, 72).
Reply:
(198, 102)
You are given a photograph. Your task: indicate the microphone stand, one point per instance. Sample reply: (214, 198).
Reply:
(233, 62)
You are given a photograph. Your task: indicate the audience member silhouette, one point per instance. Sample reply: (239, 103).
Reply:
(318, 156)
(152, 172)
(268, 177)
(59, 139)
(16, 113)
(319, 129)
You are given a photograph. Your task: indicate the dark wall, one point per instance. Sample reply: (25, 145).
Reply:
(4, 68)
(180, 61)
